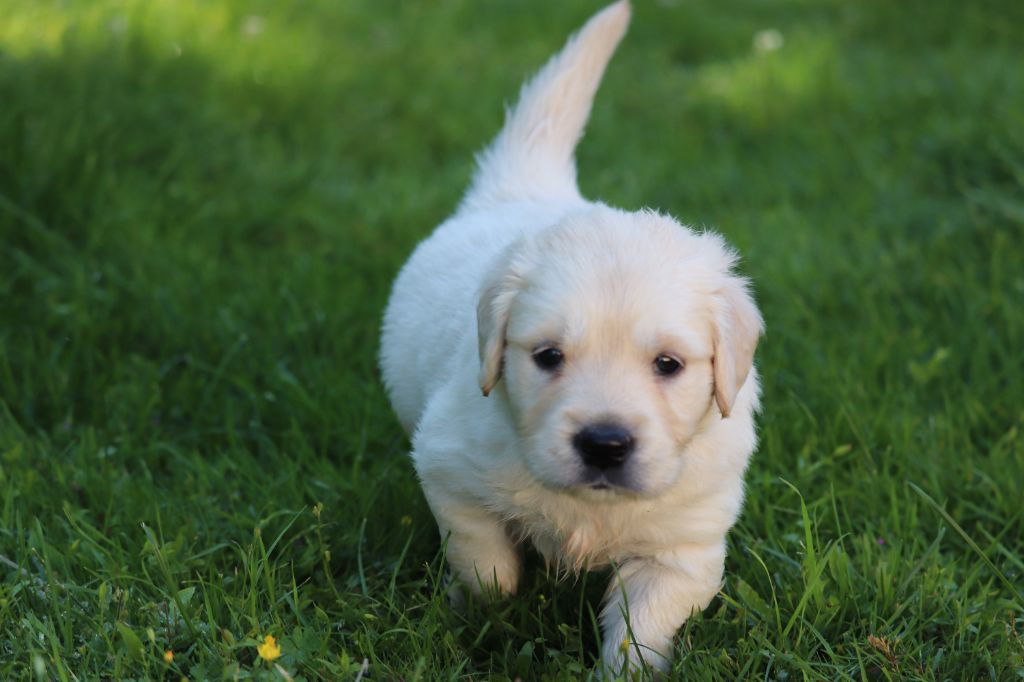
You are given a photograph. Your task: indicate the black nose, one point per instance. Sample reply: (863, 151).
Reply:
(603, 445)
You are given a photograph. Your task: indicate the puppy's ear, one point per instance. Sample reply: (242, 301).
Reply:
(738, 325)
(492, 312)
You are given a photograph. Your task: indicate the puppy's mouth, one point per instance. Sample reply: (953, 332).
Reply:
(602, 492)
(608, 482)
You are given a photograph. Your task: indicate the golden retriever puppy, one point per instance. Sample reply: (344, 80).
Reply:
(576, 376)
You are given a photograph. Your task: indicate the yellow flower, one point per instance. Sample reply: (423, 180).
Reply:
(407, 520)
(269, 650)
(168, 656)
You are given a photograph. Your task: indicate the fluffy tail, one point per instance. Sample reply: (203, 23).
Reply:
(532, 156)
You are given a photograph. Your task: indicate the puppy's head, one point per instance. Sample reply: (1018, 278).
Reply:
(618, 334)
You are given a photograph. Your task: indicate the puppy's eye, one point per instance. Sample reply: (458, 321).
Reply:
(666, 365)
(548, 359)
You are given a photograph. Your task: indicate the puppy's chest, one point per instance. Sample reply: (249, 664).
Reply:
(576, 549)
(574, 537)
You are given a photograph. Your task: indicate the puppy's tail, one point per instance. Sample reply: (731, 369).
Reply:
(532, 156)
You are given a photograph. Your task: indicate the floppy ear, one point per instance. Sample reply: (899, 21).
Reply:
(738, 325)
(492, 311)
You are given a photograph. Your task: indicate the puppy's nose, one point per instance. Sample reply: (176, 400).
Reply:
(603, 445)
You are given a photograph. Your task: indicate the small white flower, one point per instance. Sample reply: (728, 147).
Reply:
(253, 25)
(768, 40)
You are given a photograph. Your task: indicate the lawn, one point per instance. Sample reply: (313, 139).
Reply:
(202, 206)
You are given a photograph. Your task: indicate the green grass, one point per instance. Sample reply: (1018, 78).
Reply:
(202, 206)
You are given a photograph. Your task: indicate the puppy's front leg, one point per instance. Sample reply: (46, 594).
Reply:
(657, 594)
(480, 552)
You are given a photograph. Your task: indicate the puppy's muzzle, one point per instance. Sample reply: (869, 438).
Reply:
(605, 447)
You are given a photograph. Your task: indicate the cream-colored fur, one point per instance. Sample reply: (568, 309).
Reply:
(525, 264)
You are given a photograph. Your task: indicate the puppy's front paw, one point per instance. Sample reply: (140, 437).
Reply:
(647, 602)
(482, 563)
(468, 579)
(623, 656)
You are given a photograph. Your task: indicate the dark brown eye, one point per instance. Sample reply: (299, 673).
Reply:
(667, 366)
(548, 359)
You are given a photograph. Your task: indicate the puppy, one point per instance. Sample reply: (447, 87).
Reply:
(576, 376)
